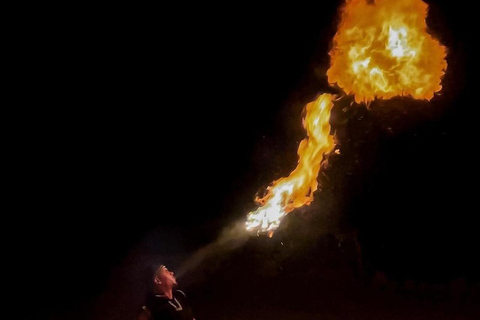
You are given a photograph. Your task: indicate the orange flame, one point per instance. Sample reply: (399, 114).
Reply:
(297, 189)
(382, 49)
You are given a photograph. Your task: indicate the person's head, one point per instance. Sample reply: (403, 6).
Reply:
(164, 279)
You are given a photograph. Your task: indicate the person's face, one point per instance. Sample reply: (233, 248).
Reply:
(166, 277)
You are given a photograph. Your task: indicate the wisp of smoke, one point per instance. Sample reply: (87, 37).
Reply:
(230, 238)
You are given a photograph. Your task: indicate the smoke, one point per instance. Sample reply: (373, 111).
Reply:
(231, 238)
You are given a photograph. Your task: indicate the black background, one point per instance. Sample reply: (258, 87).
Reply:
(154, 127)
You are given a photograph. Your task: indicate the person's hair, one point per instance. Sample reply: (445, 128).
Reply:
(157, 271)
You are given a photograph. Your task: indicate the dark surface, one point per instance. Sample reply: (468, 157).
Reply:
(162, 124)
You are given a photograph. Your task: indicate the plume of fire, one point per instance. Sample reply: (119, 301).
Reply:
(297, 189)
(381, 50)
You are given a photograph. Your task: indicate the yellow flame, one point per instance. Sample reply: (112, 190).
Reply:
(297, 189)
(382, 49)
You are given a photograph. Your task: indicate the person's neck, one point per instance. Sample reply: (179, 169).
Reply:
(169, 294)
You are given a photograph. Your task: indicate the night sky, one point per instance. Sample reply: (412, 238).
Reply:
(162, 124)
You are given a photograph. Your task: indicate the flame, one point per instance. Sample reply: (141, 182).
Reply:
(297, 189)
(382, 49)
